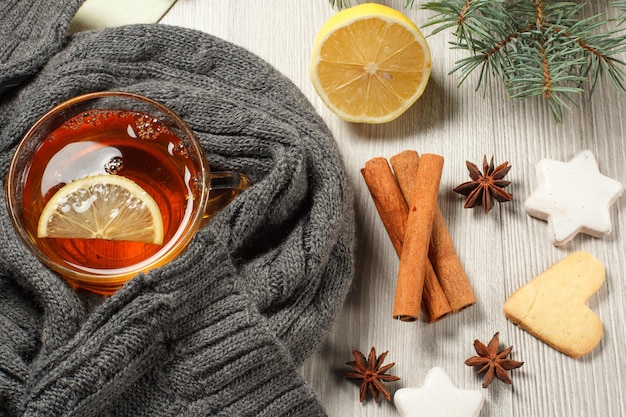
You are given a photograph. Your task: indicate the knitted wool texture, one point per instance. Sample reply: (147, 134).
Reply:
(223, 329)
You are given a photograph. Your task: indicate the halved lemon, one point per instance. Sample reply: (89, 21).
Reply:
(108, 207)
(370, 63)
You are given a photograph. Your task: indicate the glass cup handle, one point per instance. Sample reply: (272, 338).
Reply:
(225, 186)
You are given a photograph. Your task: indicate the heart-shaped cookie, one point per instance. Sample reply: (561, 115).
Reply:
(552, 306)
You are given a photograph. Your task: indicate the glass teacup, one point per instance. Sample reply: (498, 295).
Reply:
(111, 184)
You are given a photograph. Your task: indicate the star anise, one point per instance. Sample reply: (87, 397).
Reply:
(372, 372)
(492, 361)
(485, 186)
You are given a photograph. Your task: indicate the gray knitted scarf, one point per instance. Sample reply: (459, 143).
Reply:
(223, 329)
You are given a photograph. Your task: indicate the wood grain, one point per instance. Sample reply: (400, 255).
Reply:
(500, 251)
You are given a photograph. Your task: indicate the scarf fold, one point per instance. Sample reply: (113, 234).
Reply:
(223, 329)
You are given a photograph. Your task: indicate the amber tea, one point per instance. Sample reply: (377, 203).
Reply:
(104, 143)
(110, 184)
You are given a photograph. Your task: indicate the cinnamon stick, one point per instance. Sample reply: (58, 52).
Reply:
(388, 199)
(414, 257)
(393, 211)
(434, 301)
(442, 253)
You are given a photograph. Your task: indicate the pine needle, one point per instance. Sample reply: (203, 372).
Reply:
(342, 4)
(535, 48)
(621, 7)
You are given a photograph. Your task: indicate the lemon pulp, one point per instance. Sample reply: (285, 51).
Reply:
(108, 207)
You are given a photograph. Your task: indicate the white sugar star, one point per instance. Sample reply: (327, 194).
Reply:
(438, 397)
(573, 197)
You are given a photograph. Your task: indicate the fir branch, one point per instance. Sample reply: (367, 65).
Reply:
(535, 47)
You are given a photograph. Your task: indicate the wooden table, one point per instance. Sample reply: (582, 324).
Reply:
(500, 251)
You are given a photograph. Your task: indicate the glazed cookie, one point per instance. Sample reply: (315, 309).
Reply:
(438, 397)
(552, 306)
(573, 197)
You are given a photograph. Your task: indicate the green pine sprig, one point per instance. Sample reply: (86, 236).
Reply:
(536, 48)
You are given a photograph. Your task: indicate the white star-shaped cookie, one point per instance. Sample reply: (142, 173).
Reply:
(573, 197)
(438, 397)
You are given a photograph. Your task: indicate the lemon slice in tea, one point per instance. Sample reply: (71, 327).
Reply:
(370, 63)
(108, 207)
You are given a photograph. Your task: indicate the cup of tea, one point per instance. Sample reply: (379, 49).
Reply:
(111, 184)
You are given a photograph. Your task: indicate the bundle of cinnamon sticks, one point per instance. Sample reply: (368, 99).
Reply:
(430, 277)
